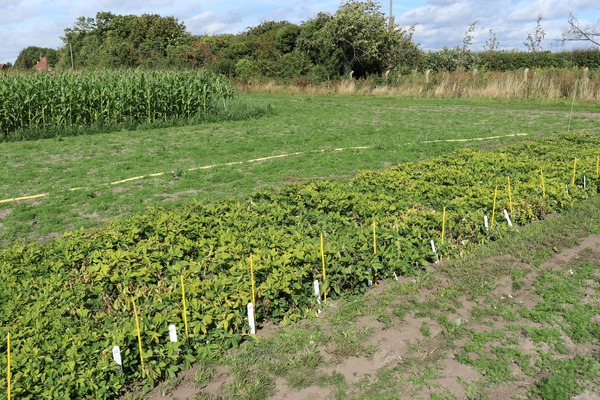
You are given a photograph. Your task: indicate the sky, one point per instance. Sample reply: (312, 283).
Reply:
(437, 23)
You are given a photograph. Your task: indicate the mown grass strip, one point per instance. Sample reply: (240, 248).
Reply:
(255, 160)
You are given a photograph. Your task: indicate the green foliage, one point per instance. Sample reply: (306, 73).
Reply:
(564, 376)
(357, 38)
(37, 102)
(30, 55)
(454, 59)
(68, 302)
(111, 40)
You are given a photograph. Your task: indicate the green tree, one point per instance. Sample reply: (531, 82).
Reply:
(110, 40)
(357, 38)
(30, 55)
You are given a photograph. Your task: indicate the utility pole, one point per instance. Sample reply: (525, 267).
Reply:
(72, 63)
(391, 24)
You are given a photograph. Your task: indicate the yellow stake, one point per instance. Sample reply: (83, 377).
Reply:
(374, 237)
(252, 280)
(597, 167)
(494, 207)
(8, 375)
(543, 184)
(185, 322)
(443, 224)
(139, 335)
(510, 208)
(574, 171)
(324, 275)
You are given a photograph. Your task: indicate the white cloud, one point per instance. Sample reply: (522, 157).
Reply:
(443, 22)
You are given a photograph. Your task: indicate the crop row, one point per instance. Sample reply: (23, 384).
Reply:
(67, 100)
(68, 302)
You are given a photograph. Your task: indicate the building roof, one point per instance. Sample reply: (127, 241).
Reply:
(42, 65)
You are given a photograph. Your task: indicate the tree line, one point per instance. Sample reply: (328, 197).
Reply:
(356, 40)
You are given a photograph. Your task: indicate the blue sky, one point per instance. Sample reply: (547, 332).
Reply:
(438, 23)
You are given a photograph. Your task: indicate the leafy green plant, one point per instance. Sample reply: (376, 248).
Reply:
(68, 302)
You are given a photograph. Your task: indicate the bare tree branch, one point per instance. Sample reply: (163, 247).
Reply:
(575, 32)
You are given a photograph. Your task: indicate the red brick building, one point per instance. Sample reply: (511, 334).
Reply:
(42, 65)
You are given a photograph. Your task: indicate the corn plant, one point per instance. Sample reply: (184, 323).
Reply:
(31, 102)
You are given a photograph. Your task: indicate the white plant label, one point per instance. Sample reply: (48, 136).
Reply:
(318, 294)
(251, 319)
(117, 355)
(584, 182)
(172, 333)
(508, 218)
(437, 259)
(173, 336)
(486, 223)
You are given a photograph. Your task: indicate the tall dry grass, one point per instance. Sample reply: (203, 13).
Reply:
(509, 85)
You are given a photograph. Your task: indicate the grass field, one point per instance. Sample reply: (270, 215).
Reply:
(388, 130)
(516, 318)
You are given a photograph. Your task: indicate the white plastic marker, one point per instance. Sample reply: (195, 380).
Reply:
(370, 281)
(507, 218)
(584, 182)
(395, 276)
(318, 294)
(173, 336)
(117, 357)
(251, 319)
(486, 223)
(437, 258)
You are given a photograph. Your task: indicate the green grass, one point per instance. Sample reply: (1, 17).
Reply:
(394, 130)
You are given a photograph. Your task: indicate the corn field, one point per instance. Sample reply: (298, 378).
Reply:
(65, 100)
